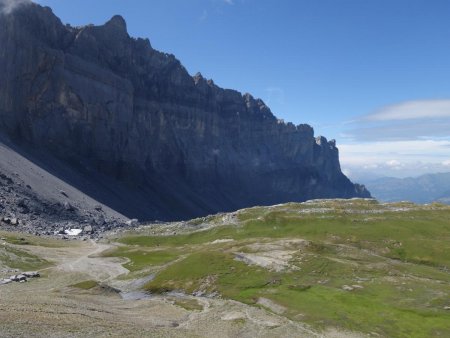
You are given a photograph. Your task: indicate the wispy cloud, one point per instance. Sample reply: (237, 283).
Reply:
(412, 110)
(204, 15)
(407, 139)
(8, 6)
(229, 2)
(275, 95)
(435, 151)
(412, 120)
(395, 158)
(399, 130)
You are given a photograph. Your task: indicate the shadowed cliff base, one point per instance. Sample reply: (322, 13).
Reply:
(131, 128)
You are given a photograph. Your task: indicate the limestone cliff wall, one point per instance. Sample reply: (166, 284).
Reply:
(95, 96)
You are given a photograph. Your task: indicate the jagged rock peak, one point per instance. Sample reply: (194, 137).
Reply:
(198, 75)
(116, 26)
(198, 78)
(306, 129)
(117, 21)
(321, 140)
(7, 6)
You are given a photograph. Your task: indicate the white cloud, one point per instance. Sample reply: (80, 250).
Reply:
(394, 164)
(363, 154)
(7, 6)
(347, 172)
(229, 2)
(404, 139)
(399, 158)
(410, 110)
(412, 120)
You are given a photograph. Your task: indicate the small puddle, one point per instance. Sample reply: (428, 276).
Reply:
(134, 295)
(176, 294)
(136, 284)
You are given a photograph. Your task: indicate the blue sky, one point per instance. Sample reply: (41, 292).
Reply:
(373, 74)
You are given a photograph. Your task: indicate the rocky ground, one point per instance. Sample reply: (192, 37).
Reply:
(33, 199)
(21, 209)
(55, 307)
(330, 268)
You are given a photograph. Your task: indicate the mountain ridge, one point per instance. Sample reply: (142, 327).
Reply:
(421, 189)
(94, 96)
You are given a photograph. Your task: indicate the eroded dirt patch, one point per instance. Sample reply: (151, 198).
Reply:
(274, 256)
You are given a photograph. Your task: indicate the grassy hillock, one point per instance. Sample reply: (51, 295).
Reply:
(14, 257)
(381, 269)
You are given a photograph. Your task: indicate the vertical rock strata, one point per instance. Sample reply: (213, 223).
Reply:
(94, 94)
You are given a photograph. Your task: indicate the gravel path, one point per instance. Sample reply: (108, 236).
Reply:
(49, 306)
(102, 269)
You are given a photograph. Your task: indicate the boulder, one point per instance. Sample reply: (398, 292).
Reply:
(347, 288)
(18, 278)
(68, 206)
(132, 222)
(31, 274)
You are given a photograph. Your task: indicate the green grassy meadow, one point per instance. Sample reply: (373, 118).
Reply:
(379, 269)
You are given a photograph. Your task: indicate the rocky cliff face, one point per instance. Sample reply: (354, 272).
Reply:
(96, 97)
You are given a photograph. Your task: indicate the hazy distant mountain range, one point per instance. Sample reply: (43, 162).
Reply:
(422, 189)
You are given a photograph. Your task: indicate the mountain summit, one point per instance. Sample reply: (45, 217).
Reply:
(97, 98)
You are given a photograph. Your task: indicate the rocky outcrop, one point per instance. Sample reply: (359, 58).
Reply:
(98, 98)
(21, 277)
